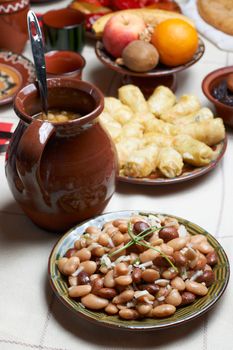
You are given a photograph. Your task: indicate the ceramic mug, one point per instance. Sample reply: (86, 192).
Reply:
(61, 173)
(13, 25)
(64, 29)
(68, 64)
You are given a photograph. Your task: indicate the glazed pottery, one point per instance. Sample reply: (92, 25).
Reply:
(61, 173)
(147, 81)
(64, 29)
(15, 72)
(68, 64)
(13, 25)
(212, 80)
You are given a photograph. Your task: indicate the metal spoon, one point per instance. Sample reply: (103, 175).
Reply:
(37, 47)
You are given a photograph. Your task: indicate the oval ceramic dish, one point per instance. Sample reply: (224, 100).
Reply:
(160, 70)
(188, 173)
(15, 72)
(182, 315)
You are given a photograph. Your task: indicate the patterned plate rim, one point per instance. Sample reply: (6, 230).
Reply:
(28, 68)
(199, 171)
(198, 308)
(108, 60)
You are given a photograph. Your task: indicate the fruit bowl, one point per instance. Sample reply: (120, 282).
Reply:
(161, 75)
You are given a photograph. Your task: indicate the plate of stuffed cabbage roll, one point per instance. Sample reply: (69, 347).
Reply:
(163, 139)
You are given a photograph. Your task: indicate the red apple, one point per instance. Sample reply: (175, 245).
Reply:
(120, 30)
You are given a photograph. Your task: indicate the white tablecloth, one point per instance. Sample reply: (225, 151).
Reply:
(31, 317)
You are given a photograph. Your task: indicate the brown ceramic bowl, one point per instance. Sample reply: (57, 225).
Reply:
(209, 83)
(160, 70)
(68, 64)
(147, 81)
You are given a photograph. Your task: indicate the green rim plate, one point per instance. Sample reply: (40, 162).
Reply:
(182, 315)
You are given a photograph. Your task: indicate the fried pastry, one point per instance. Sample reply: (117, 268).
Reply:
(132, 96)
(186, 105)
(210, 131)
(142, 162)
(161, 100)
(170, 162)
(193, 151)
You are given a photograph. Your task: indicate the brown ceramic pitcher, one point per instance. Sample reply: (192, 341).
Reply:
(61, 173)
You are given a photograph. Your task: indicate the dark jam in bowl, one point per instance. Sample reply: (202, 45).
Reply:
(223, 94)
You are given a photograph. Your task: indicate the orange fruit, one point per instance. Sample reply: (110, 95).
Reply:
(175, 40)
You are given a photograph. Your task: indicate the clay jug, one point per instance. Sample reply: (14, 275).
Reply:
(13, 25)
(61, 173)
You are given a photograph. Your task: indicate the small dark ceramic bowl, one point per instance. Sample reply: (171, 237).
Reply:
(64, 29)
(67, 64)
(211, 81)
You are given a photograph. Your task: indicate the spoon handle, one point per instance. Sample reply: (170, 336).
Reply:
(37, 46)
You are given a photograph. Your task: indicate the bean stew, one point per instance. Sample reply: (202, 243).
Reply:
(145, 266)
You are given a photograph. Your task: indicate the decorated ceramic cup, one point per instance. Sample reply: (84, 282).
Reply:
(67, 64)
(13, 25)
(64, 29)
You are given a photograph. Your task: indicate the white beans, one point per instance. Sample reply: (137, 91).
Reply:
(123, 280)
(197, 239)
(205, 247)
(94, 302)
(89, 266)
(196, 288)
(166, 249)
(128, 314)
(169, 274)
(124, 297)
(144, 309)
(61, 262)
(83, 254)
(70, 265)
(121, 269)
(163, 310)
(150, 275)
(79, 291)
(174, 298)
(177, 243)
(148, 255)
(111, 309)
(178, 283)
(109, 279)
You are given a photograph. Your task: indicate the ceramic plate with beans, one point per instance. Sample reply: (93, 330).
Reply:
(138, 270)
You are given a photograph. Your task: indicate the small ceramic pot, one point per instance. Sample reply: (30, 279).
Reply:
(61, 173)
(68, 64)
(211, 81)
(13, 25)
(64, 29)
